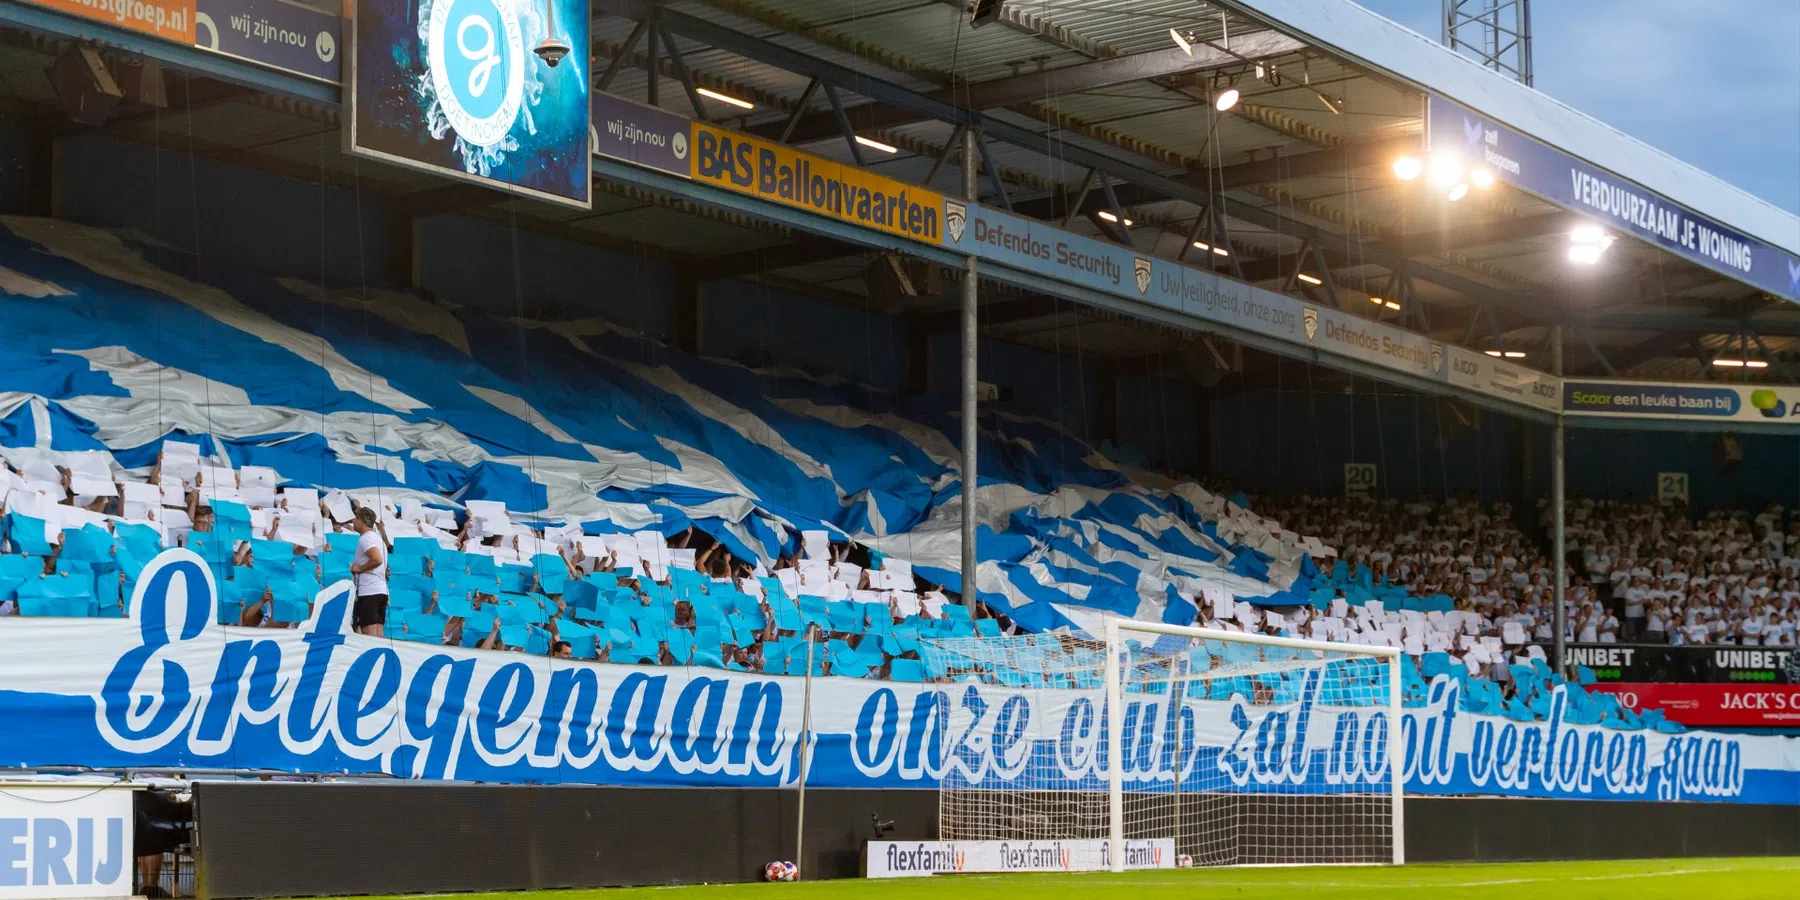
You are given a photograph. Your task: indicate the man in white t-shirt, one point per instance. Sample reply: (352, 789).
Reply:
(369, 566)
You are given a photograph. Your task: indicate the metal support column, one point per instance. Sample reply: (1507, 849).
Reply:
(971, 161)
(1559, 610)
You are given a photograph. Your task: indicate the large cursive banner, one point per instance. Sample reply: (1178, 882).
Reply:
(170, 688)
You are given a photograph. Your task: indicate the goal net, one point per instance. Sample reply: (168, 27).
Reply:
(1236, 749)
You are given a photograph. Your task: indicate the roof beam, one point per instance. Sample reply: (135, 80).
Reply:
(799, 61)
(1033, 86)
(1235, 176)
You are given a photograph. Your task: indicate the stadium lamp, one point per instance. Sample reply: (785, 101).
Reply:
(1407, 168)
(1741, 363)
(1445, 169)
(1308, 279)
(1392, 304)
(1184, 41)
(1459, 191)
(1515, 354)
(1221, 251)
(1481, 177)
(1376, 300)
(1114, 219)
(1226, 96)
(1202, 245)
(1587, 243)
(873, 144)
(724, 98)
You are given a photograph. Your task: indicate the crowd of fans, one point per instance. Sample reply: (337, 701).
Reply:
(1721, 578)
(79, 538)
(1456, 584)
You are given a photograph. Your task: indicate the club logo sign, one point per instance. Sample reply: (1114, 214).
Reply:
(1473, 132)
(956, 215)
(1794, 278)
(1437, 359)
(1310, 317)
(1141, 268)
(477, 52)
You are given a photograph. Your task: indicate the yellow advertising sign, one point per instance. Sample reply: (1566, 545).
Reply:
(771, 171)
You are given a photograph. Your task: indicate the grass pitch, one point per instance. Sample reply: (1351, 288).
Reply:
(1655, 879)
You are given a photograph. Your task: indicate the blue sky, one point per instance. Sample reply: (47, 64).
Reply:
(1716, 84)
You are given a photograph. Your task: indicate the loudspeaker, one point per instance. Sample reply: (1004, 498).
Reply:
(891, 278)
(1204, 363)
(142, 82)
(83, 85)
(1727, 451)
(983, 12)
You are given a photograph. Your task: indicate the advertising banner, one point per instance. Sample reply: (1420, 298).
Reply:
(639, 134)
(775, 172)
(1617, 202)
(1718, 705)
(167, 687)
(168, 19)
(490, 91)
(63, 841)
(1689, 664)
(1498, 378)
(1033, 246)
(291, 37)
(914, 859)
(1712, 402)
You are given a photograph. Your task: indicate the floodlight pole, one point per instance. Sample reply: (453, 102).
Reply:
(1559, 613)
(971, 151)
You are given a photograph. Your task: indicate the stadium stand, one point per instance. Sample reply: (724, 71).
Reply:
(569, 487)
(1727, 577)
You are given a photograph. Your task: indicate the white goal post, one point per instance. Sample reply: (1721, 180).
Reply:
(1116, 676)
(1225, 749)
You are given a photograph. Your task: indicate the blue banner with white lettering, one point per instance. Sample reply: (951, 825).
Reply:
(1618, 202)
(169, 688)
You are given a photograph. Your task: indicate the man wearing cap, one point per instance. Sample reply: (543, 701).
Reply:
(369, 566)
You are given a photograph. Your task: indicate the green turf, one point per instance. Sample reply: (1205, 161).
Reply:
(1660, 879)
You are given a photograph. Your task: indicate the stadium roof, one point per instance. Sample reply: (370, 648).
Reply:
(1299, 171)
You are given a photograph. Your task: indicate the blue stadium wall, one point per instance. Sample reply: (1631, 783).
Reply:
(1294, 437)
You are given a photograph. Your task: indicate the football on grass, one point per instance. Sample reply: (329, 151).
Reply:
(781, 871)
